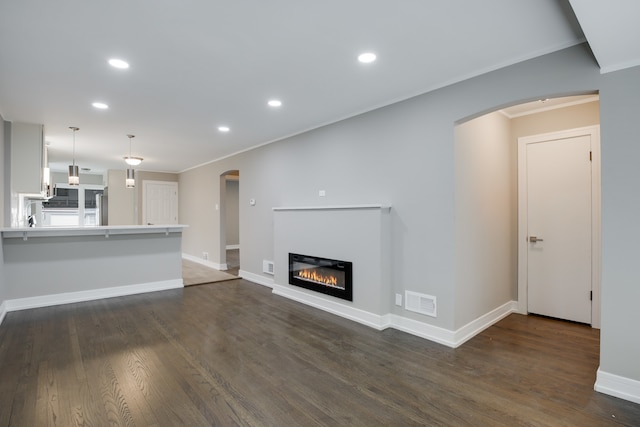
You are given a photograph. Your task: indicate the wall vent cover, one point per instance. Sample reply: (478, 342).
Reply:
(420, 303)
(267, 267)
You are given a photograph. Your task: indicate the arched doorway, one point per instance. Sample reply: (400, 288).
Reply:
(230, 221)
(486, 199)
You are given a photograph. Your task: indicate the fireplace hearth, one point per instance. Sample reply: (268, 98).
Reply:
(328, 276)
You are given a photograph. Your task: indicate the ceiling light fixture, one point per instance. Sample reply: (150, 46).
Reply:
(274, 103)
(367, 57)
(224, 128)
(130, 181)
(131, 160)
(119, 63)
(74, 174)
(100, 105)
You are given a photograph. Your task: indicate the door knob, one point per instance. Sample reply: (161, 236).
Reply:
(534, 239)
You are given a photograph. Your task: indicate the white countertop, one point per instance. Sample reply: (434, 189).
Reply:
(332, 207)
(106, 230)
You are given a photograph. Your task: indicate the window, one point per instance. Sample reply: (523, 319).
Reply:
(72, 206)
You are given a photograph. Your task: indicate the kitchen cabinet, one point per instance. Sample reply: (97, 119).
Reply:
(27, 157)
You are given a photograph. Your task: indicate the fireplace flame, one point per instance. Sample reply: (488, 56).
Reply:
(317, 277)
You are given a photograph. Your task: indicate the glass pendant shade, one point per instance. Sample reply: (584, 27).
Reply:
(130, 182)
(133, 161)
(74, 175)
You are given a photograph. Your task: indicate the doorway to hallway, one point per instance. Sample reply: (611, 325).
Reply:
(230, 221)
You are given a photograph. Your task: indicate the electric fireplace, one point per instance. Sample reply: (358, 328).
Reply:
(328, 276)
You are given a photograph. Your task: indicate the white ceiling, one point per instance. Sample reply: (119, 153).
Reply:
(199, 64)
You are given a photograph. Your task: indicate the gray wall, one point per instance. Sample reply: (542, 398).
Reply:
(86, 263)
(403, 155)
(123, 205)
(486, 247)
(619, 112)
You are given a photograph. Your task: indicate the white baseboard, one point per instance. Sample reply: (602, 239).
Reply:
(372, 320)
(256, 278)
(231, 247)
(421, 329)
(3, 311)
(80, 296)
(424, 330)
(478, 325)
(205, 262)
(617, 386)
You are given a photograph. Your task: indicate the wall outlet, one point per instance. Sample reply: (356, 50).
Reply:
(399, 300)
(322, 193)
(205, 255)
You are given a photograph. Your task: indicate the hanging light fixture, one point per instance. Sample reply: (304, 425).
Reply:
(74, 174)
(133, 161)
(130, 181)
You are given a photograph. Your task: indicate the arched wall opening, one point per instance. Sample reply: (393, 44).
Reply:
(230, 221)
(486, 197)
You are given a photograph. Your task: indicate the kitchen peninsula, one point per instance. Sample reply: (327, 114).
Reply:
(54, 265)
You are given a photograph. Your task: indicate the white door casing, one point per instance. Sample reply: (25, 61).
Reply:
(159, 202)
(559, 202)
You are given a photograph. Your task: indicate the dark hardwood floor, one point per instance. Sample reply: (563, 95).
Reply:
(232, 353)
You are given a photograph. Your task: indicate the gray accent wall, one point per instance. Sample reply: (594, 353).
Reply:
(403, 155)
(619, 112)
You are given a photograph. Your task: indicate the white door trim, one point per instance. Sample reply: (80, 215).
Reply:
(596, 206)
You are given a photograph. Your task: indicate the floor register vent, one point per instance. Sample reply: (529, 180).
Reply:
(420, 303)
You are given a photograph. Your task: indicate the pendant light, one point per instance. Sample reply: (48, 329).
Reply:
(74, 174)
(130, 160)
(130, 181)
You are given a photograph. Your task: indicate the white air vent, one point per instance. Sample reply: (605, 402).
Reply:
(420, 303)
(267, 267)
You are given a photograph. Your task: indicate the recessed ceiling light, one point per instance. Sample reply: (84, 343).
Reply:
(100, 105)
(119, 63)
(223, 128)
(367, 57)
(274, 103)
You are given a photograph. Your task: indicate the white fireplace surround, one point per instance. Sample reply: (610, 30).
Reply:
(356, 233)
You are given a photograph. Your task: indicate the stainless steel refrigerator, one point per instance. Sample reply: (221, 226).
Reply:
(102, 208)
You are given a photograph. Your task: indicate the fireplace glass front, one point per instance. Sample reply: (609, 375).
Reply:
(328, 276)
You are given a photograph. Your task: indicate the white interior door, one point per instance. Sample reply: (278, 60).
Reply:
(160, 202)
(559, 227)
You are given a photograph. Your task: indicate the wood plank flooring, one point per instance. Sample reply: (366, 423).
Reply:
(231, 353)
